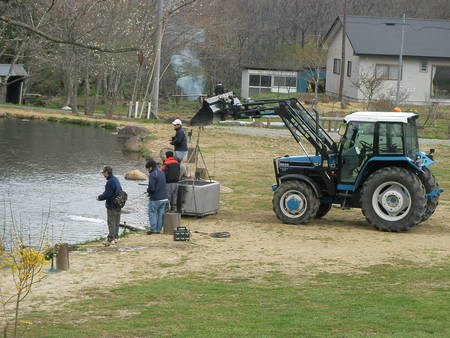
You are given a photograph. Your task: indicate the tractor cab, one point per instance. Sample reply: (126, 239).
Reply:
(374, 137)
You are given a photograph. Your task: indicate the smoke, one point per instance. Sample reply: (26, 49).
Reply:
(187, 67)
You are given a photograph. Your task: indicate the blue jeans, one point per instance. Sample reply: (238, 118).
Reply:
(180, 154)
(156, 214)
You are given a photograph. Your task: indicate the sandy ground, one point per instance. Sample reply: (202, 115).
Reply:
(259, 244)
(341, 242)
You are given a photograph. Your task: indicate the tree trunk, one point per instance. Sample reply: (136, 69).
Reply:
(97, 89)
(68, 85)
(74, 96)
(87, 110)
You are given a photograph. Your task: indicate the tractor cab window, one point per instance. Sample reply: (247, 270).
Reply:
(411, 140)
(390, 139)
(356, 147)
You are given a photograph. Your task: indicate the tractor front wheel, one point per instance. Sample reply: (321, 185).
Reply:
(323, 209)
(430, 183)
(393, 199)
(294, 202)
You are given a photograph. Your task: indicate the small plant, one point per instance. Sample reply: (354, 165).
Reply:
(25, 260)
(110, 125)
(52, 119)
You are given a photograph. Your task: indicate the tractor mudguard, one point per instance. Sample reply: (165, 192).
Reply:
(300, 177)
(378, 162)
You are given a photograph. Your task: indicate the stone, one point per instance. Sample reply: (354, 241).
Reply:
(133, 144)
(133, 131)
(258, 124)
(225, 190)
(136, 175)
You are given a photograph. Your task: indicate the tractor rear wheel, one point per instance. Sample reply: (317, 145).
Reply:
(294, 202)
(323, 209)
(430, 183)
(393, 199)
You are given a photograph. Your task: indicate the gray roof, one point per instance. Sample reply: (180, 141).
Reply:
(18, 70)
(382, 36)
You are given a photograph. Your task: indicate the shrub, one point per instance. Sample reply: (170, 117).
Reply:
(110, 125)
(52, 119)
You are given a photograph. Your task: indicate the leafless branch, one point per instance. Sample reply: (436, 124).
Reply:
(66, 42)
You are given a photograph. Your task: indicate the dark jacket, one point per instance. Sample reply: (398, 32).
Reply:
(219, 89)
(157, 185)
(179, 140)
(112, 189)
(171, 168)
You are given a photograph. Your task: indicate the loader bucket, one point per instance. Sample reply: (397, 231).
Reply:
(215, 109)
(207, 115)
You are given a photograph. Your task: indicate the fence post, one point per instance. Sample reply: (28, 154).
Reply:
(130, 109)
(149, 109)
(62, 257)
(136, 108)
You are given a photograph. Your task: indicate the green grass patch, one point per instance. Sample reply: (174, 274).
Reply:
(111, 125)
(388, 300)
(52, 119)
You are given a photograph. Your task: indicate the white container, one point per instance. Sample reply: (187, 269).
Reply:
(198, 198)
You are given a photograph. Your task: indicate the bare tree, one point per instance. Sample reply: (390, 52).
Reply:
(369, 85)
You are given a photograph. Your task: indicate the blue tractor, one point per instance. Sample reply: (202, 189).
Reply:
(376, 166)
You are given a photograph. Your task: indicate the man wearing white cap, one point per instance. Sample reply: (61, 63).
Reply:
(179, 141)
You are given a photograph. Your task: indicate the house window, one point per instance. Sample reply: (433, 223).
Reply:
(337, 66)
(284, 81)
(349, 68)
(440, 87)
(259, 84)
(257, 80)
(424, 66)
(386, 72)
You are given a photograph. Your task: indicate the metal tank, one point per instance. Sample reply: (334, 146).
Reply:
(198, 198)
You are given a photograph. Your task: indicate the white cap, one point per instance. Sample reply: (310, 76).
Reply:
(176, 122)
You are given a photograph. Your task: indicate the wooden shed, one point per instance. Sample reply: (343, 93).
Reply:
(12, 78)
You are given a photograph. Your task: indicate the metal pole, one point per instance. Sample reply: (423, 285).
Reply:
(400, 62)
(341, 78)
(155, 91)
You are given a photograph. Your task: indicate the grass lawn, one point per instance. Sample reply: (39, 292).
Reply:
(401, 300)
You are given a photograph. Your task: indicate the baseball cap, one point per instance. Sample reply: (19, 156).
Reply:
(176, 122)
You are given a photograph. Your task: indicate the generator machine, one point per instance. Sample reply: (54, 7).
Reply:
(376, 165)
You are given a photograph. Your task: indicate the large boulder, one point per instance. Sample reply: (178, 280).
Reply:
(133, 144)
(135, 175)
(133, 131)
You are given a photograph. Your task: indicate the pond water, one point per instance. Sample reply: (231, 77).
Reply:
(50, 175)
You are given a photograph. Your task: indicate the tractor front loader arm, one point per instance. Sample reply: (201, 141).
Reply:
(295, 116)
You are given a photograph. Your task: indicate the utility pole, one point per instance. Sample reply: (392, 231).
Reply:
(341, 79)
(155, 91)
(400, 63)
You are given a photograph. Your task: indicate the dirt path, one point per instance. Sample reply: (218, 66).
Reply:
(341, 242)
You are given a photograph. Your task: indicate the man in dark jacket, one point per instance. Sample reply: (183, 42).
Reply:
(219, 89)
(179, 141)
(171, 168)
(112, 189)
(157, 192)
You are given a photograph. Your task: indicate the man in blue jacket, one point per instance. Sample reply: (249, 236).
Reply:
(157, 192)
(112, 189)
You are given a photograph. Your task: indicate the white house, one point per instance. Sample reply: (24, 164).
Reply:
(257, 80)
(372, 48)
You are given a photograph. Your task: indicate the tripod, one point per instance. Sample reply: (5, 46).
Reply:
(196, 152)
